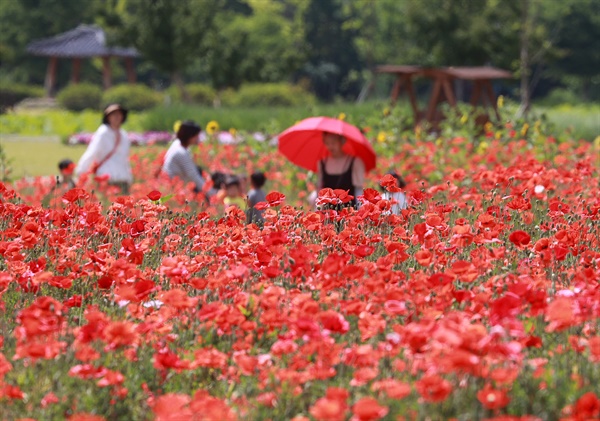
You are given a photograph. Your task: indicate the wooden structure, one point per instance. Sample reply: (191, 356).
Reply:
(85, 41)
(443, 86)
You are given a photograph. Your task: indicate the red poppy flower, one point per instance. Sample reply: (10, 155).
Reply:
(172, 406)
(75, 194)
(433, 388)
(588, 406)
(492, 398)
(389, 183)
(326, 409)
(519, 238)
(394, 389)
(275, 198)
(371, 195)
(154, 195)
(367, 409)
(424, 257)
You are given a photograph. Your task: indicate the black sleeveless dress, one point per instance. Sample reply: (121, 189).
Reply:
(339, 181)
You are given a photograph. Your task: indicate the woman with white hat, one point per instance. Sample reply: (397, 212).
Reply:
(107, 154)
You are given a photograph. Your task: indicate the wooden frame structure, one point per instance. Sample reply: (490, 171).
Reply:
(85, 41)
(443, 86)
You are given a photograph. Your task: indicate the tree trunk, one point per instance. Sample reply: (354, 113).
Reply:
(178, 80)
(585, 88)
(524, 62)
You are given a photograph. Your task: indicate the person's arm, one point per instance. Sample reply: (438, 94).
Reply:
(358, 177)
(94, 151)
(319, 176)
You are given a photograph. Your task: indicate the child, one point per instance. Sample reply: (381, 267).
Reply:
(66, 167)
(233, 193)
(398, 199)
(256, 195)
(218, 179)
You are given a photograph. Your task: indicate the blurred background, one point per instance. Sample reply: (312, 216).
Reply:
(258, 65)
(328, 47)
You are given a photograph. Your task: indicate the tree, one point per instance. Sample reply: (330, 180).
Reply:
(260, 43)
(26, 20)
(170, 34)
(333, 61)
(578, 35)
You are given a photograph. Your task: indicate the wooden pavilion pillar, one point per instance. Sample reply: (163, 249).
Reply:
(106, 73)
(405, 80)
(76, 70)
(50, 76)
(481, 89)
(442, 90)
(131, 76)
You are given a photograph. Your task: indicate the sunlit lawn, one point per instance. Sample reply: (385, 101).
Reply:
(35, 158)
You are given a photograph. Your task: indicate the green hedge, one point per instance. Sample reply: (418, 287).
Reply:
(198, 94)
(12, 94)
(79, 97)
(267, 95)
(132, 97)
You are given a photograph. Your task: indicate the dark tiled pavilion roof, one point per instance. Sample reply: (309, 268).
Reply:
(81, 42)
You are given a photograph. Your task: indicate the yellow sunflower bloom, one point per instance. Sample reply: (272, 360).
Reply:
(482, 148)
(342, 116)
(500, 101)
(381, 137)
(176, 126)
(212, 127)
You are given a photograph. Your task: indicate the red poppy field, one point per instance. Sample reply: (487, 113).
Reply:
(480, 301)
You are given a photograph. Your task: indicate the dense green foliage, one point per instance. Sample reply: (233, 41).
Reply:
(12, 94)
(81, 96)
(201, 94)
(132, 97)
(328, 45)
(269, 95)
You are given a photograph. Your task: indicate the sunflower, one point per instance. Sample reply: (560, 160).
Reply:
(500, 102)
(212, 127)
(176, 126)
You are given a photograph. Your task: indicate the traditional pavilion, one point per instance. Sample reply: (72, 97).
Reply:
(85, 41)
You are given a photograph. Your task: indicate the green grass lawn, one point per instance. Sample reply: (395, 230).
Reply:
(38, 157)
(34, 156)
(582, 122)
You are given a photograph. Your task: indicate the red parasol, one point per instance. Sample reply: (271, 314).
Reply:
(303, 143)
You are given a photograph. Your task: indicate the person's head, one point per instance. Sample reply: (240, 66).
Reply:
(66, 167)
(233, 186)
(334, 143)
(114, 116)
(218, 178)
(257, 179)
(188, 133)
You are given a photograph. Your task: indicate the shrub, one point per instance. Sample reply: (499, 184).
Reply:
(268, 94)
(132, 97)
(201, 94)
(198, 94)
(79, 97)
(12, 94)
(560, 96)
